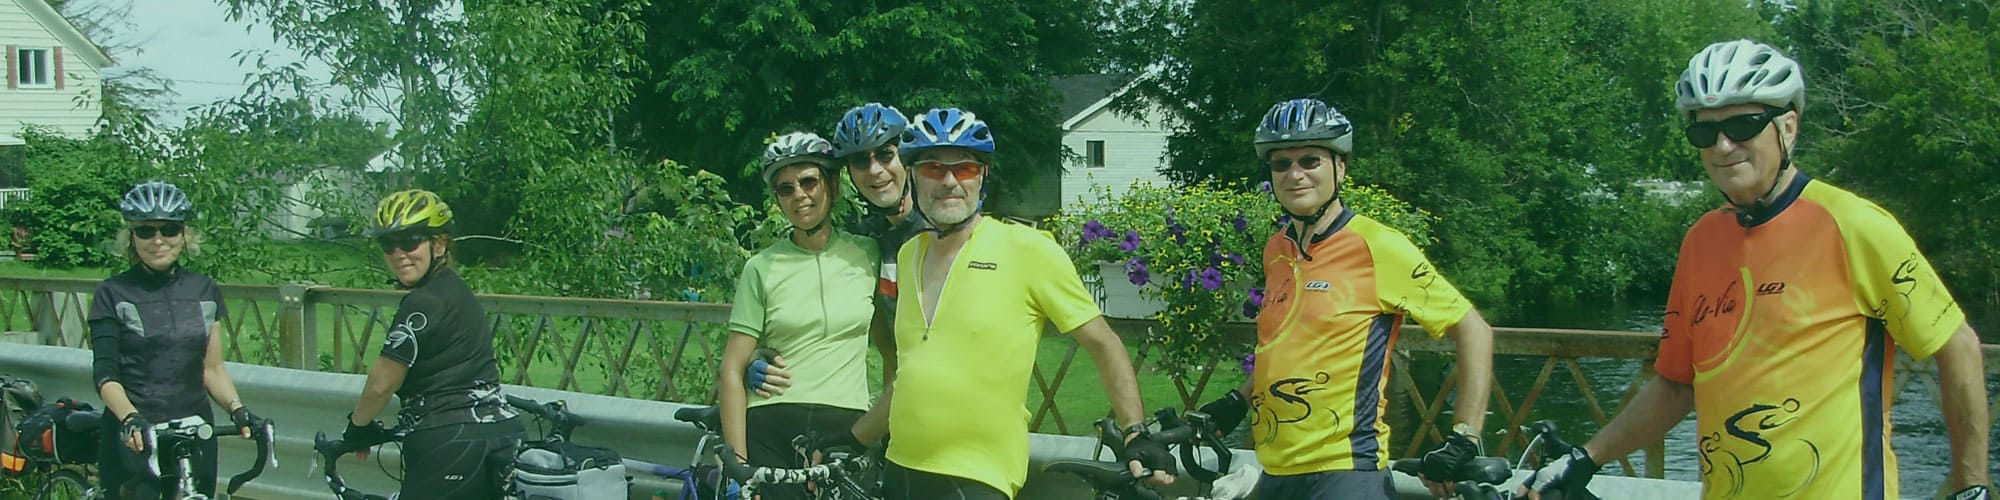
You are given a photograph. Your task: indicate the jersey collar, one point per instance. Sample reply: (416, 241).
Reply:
(1754, 217)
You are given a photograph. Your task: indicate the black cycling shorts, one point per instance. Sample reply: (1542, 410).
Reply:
(1365, 485)
(771, 429)
(459, 461)
(903, 483)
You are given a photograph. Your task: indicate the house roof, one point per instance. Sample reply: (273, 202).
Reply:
(66, 32)
(1079, 92)
(1101, 89)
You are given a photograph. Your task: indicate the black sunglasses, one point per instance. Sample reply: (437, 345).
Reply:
(860, 160)
(1738, 128)
(1307, 162)
(786, 190)
(407, 242)
(148, 232)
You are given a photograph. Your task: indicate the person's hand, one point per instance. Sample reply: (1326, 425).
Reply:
(372, 434)
(247, 424)
(1150, 459)
(135, 427)
(1569, 475)
(767, 374)
(1441, 465)
(1227, 412)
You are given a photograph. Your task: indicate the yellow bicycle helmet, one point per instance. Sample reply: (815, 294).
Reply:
(413, 209)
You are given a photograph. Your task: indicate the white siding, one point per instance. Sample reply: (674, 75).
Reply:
(56, 108)
(1134, 149)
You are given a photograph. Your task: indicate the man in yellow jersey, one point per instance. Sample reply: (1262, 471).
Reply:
(1338, 286)
(1786, 310)
(977, 293)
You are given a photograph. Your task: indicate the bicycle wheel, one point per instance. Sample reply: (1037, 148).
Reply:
(64, 484)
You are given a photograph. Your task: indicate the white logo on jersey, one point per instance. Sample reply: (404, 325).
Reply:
(1318, 285)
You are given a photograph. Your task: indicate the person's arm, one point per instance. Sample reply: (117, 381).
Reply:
(1962, 387)
(1658, 407)
(385, 377)
(105, 353)
(215, 376)
(1474, 339)
(731, 397)
(874, 425)
(882, 332)
(1114, 369)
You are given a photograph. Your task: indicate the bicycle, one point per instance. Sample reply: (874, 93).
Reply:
(71, 480)
(179, 439)
(555, 414)
(1476, 480)
(1113, 480)
(841, 476)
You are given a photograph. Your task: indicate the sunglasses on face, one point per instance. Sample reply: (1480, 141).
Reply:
(1738, 128)
(805, 184)
(1307, 162)
(407, 242)
(148, 232)
(963, 169)
(861, 161)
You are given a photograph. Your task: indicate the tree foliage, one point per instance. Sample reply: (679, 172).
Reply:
(1902, 108)
(1520, 124)
(728, 73)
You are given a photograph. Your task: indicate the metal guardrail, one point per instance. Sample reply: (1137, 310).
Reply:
(670, 350)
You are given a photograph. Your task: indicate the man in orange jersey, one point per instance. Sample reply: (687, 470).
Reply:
(1338, 286)
(1785, 314)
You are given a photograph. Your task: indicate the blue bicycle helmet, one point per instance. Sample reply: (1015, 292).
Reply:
(866, 127)
(155, 200)
(947, 127)
(1304, 122)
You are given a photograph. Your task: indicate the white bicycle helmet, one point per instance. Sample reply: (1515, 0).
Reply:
(795, 148)
(1739, 72)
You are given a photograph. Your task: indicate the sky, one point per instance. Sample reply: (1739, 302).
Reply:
(191, 43)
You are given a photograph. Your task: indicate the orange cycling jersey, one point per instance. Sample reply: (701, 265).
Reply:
(1786, 325)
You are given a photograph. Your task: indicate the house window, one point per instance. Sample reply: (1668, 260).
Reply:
(32, 68)
(1094, 153)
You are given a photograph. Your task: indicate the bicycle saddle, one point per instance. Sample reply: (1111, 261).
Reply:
(705, 417)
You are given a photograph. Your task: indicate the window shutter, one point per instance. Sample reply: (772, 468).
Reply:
(12, 79)
(56, 56)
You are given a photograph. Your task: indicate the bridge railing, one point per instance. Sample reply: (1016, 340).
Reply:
(669, 351)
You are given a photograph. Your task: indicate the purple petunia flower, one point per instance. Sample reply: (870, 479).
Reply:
(1215, 259)
(1188, 280)
(1254, 304)
(1211, 279)
(1131, 241)
(1241, 224)
(1179, 232)
(1135, 270)
(1236, 257)
(1265, 187)
(1249, 363)
(1282, 221)
(1094, 230)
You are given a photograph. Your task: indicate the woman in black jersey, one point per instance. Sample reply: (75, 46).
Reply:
(156, 343)
(437, 360)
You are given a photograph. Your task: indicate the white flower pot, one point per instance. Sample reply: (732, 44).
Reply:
(1120, 298)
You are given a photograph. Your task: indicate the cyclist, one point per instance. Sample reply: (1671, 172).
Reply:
(806, 295)
(1338, 288)
(437, 359)
(156, 345)
(865, 141)
(966, 333)
(1785, 311)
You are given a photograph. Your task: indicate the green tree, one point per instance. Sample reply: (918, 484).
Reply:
(1901, 108)
(728, 73)
(71, 212)
(1514, 122)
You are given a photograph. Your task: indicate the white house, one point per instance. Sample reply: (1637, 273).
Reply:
(52, 72)
(1110, 147)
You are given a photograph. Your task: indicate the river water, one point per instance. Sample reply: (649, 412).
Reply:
(1921, 445)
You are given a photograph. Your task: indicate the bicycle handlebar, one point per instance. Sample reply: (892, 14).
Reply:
(263, 434)
(330, 450)
(191, 427)
(562, 423)
(752, 476)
